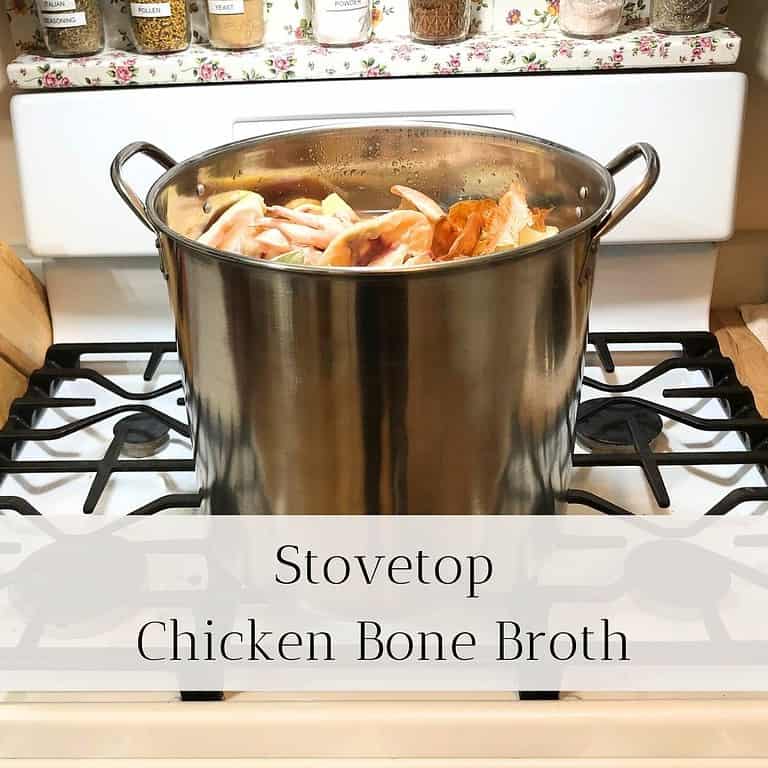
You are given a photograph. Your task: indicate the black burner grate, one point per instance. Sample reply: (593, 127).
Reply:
(700, 352)
(62, 363)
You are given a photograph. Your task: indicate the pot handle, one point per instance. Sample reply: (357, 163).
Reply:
(121, 158)
(638, 194)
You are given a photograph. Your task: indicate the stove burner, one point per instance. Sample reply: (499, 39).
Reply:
(143, 435)
(604, 424)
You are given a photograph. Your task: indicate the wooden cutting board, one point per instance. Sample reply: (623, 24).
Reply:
(12, 385)
(749, 356)
(25, 327)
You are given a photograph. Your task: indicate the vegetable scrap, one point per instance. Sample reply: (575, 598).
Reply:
(330, 233)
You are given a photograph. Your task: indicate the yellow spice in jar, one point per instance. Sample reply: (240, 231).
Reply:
(236, 24)
(160, 27)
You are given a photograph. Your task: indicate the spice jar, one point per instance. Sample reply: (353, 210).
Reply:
(342, 22)
(439, 21)
(236, 24)
(681, 16)
(591, 18)
(160, 27)
(71, 27)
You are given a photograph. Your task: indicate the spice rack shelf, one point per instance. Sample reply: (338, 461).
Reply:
(512, 52)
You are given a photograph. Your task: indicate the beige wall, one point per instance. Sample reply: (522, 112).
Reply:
(743, 269)
(742, 274)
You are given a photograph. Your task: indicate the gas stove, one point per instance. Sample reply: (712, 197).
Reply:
(664, 427)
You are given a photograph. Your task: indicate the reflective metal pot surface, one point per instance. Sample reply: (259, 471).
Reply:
(443, 389)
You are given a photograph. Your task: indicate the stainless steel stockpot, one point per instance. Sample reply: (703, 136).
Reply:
(442, 389)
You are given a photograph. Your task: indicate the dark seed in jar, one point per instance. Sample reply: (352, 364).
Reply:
(439, 19)
(162, 33)
(681, 15)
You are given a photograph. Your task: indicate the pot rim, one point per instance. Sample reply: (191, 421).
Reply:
(519, 253)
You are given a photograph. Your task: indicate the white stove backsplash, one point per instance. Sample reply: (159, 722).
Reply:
(290, 19)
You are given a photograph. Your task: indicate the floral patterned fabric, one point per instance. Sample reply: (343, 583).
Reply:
(508, 36)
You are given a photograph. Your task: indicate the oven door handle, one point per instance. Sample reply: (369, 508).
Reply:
(131, 198)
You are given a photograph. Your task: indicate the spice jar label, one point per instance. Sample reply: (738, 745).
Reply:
(226, 7)
(63, 20)
(56, 5)
(338, 6)
(151, 10)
